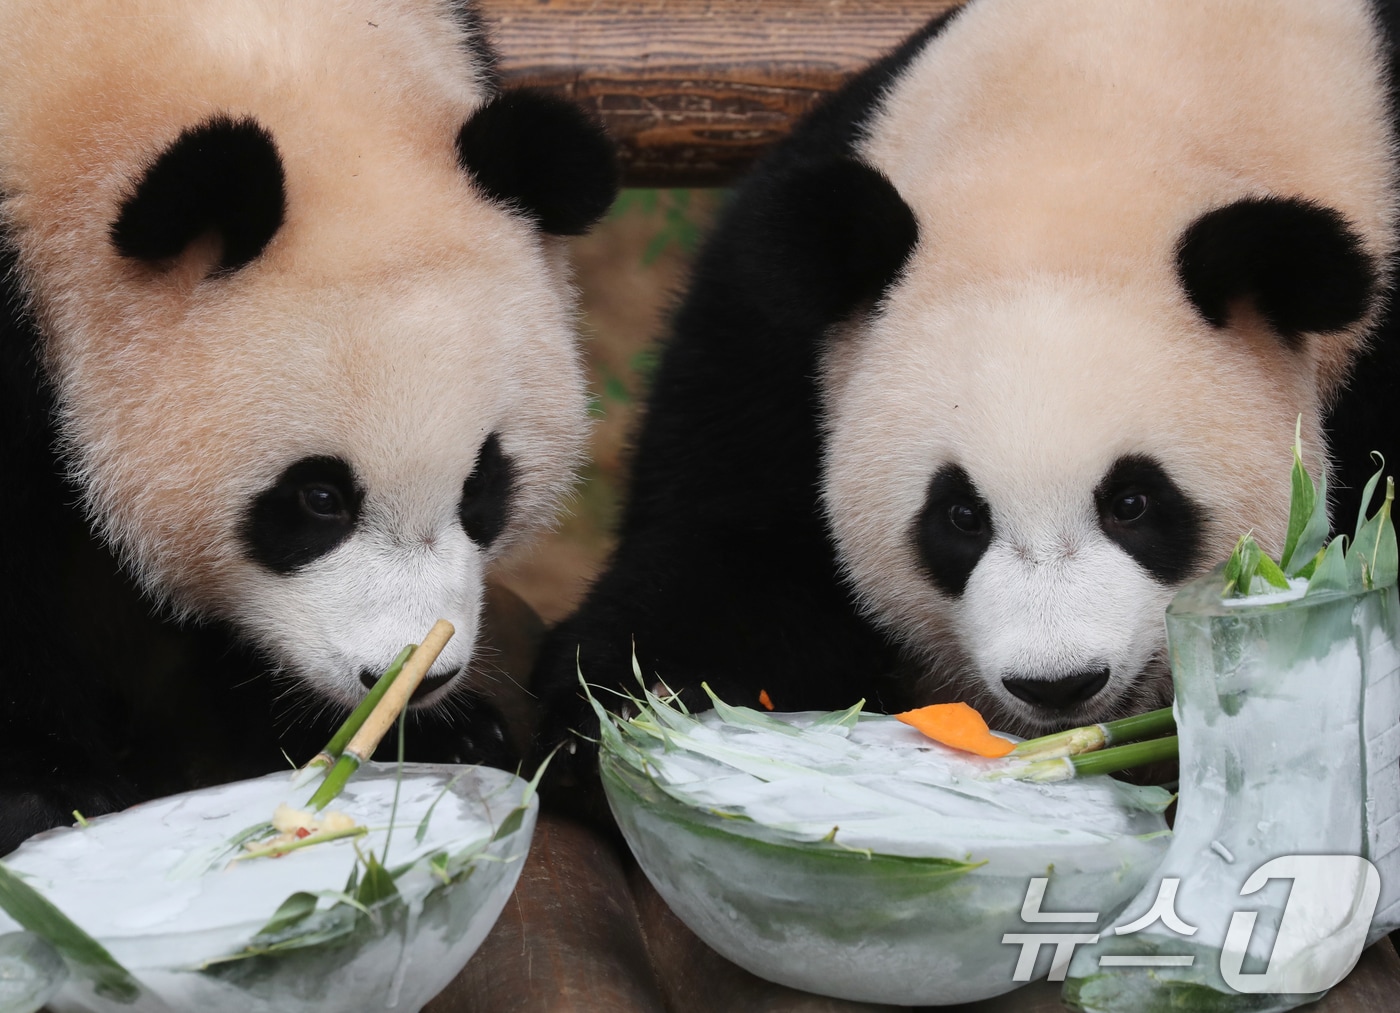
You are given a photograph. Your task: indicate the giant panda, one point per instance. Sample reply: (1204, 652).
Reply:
(1003, 344)
(288, 362)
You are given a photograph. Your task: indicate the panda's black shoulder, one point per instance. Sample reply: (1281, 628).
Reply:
(732, 404)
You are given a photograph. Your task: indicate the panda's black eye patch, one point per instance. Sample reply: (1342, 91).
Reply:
(306, 513)
(223, 178)
(953, 529)
(485, 506)
(1150, 518)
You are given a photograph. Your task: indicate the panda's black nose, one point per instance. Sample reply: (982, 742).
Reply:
(1062, 692)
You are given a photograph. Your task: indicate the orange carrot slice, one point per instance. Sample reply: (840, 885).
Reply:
(765, 699)
(959, 726)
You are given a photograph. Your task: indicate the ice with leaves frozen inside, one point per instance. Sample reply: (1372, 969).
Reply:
(383, 919)
(847, 854)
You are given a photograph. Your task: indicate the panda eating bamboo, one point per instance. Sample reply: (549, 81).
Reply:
(289, 331)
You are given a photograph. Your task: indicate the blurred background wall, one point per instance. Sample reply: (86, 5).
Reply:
(630, 270)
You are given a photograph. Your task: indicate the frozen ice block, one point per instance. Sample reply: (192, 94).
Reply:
(156, 887)
(860, 859)
(1289, 720)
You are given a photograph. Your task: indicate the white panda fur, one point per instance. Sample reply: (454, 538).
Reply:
(400, 315)
(993, 251)
(1039, 331)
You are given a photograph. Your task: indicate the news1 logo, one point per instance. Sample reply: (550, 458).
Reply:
(1320, 934)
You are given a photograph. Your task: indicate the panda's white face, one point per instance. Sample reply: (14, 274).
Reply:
(1020, 476)
(313, 356)
(350, 532)
(1142, 252)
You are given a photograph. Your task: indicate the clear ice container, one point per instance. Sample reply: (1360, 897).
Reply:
(1289, 720)
(935, 868)
(153, 885)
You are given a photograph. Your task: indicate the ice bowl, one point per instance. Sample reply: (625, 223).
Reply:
(847, 855)
(172, 919)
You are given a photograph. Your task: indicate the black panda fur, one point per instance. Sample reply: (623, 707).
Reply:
(127, 677)
(726, 569)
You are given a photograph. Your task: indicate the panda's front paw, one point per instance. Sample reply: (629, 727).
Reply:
(33, 808)
(567, 737)
(473, 732)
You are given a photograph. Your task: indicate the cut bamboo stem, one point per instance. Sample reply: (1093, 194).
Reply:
(327, 756)
(366, 740)
(1076, 741)
(1103, 761)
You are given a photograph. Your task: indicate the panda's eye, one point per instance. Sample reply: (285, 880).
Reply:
(966, 518)
(484, 509)
(313, 507)
(953, 529)
(321, 501)
(1129, 507)
(1146, 514)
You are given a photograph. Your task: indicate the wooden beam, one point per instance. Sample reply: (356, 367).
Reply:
(694, 90)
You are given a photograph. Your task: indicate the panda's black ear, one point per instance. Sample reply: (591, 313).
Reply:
(222, 178)
(544, 156)
(1301, 265)
(826, 237)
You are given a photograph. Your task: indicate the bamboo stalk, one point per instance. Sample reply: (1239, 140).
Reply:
(1135, 754)
(328, 755)
(1141, 726)
(366, 740)
(1074, 741)
(1103, 761)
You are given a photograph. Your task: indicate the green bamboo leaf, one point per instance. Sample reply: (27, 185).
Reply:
(745, 717)
(1241, 567)
(377, 884)
(510, 824)
(1314, 534)
(1385, 561)
(291, 911)
(842, 719)
(34, 913)
(1305, 572)
(1331, 572)
(1302, 498)
(1234, 566)
(318, 928)
(1270, 571)
(1359, 557)
(1318, 530)
(516, 817)
(438, 865)
(1368, 493)
(422, 830)
(342, 898)
(1372, 547)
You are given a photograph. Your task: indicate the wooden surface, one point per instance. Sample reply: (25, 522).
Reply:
(586, 933)
(568, 940)
(694, 89)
